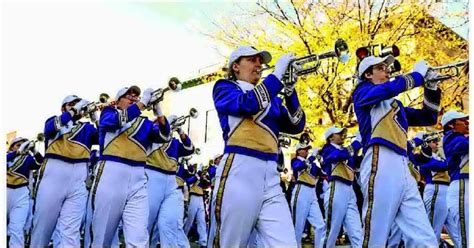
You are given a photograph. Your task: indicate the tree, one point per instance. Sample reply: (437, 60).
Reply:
(312, 27)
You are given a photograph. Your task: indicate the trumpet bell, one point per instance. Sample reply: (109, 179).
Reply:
(193, 113)
(342, 50)
(197, 151)
(104, 97)
(40, 137)
(174, 84)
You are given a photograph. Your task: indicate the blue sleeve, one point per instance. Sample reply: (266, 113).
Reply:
(428, 115)
(356, 146)
(368, 94)
(212, 172)
(160, 133)
(190, 180)
(110, 119)
(434, 165)
(337, 155)
(298, 165)
(459, 146)
(11, 156)
(32, 163)
(52, 126)
(292, 117)
(230, 99)
(315, 170)
(185, 147)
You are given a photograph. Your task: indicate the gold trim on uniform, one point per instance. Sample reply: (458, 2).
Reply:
(67, 147)
(433, 203)
(295, 201)
(462, 214)
(307, 178)
(329, 212)
(414, 172)
(100, 170)
(373, 173)
(219, 196)
(388, 128)
(160, 159)
(134, 150)
(251, 135)
(344, 171)
(14, 178)
(465, 168)
(441, 176)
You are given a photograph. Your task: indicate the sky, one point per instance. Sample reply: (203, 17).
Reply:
(53, 49)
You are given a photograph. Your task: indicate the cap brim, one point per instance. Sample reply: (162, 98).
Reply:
(134, 88)
(266, 57)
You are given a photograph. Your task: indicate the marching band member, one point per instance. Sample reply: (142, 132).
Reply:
(304, 204)
(434, 170)
(61, 195)
(161, 167)
(22, 157)
(339, 200)
(456, 149)
(390, 193)
(247, 193)
(198, 182)
(119, 189)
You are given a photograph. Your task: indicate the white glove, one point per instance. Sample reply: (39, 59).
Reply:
(179, 130)
(421, 67)
(315, 152)
(358, 137)
(157, 109)
(146, 96)
(79, 105)
(172, 118)
(429, 83)
(419, 135)
(281, 65)
(24, 147)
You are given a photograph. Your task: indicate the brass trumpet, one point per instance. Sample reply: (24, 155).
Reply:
(173, 84)
(197, 151)
(175, 124)
(284, 140)
(450, 70)
(310, 63)
(95, 106)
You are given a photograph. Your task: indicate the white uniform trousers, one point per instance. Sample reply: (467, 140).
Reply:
(341, 209)
(458, 210)
(435, 198)
(18, 204)
(119, 192)
(196, 211)
(391, 195)
(247, 195)
(163, 217)
(183, 241)
(304, 205)
(60, 203)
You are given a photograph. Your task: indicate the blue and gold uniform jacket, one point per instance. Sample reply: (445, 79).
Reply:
(197, 186)
(456, 150)
(251, 117)
(19, 166)
(383, 120)
(339, 162)
(181, 175)
(434, 170)
(303, 173)
(125, 136)
(67, 140)
(164, 157)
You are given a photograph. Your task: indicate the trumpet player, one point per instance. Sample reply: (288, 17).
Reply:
(340, 200)
(390, 193)
(161, 167)
(22, 157)
(247, 194)
(304, 204)
(119, 190)
(456, 148)
(434, 170)
(61, 193)
(198, 182)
